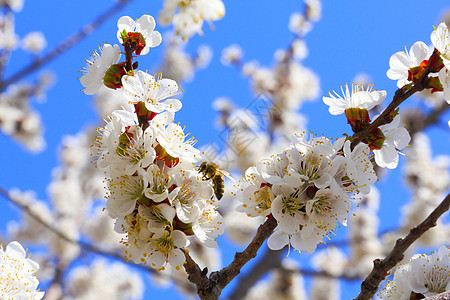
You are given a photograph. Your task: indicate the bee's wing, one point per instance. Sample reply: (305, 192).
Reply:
(225, 173)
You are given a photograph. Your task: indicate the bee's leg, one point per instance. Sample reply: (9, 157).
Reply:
(205, 177)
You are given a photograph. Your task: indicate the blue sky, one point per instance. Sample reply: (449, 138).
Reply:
(352, 37)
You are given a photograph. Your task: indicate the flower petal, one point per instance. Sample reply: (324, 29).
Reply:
(278, 240)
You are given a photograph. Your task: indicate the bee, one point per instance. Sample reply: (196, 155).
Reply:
(212, 172)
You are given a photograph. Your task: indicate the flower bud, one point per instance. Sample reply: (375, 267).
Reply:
(416, 72)
(435, 84)
(113, 76)
(375, 139)
(186, 228)
(435, 61)
(358, 118)
(124, 140)
(161, 154)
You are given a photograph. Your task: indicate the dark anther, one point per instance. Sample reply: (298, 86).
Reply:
(205, 271)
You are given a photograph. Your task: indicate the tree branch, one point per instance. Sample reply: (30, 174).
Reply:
(314, 273)
(212, 287)
(370, 285)
(270, 260)
(65, 45)
(418, 124)
(400, 96)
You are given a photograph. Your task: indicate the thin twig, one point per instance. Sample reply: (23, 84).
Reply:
(65, 45)
(418, 124)
(381, 267)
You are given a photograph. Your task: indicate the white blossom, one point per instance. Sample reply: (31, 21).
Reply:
(158, 184)
(107, 280)
(172, 140)
(34, 42)
(15, 5)
(180, 65)
(310, 162)
(444, 78)
(401, 62)
(307, 189)
(257, 195)
(358, 167)
(189, 190)
(166, 248)
(144, 25)
(426, 275)
(123, 193)
(108, 139)
(8, 38)
(397, 138)
(231, 54)
(331, 260)
(18, 274)
(187, 16)
(134, 151)
(156, 93)
(441, 41)
(358, 97)
(92, 80)
(314, 10)
(299, 25)
(208, 225)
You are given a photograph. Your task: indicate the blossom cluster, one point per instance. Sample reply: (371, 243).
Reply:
(384, 141)
(423, 276)
(407, 67)
(155, 191)
(17, 118)
(427, 189)
(18, 274)
(187, 16)
(307, 188)
(88, 282)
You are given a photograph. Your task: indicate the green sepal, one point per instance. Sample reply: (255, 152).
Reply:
(186, 228)
(113, 76)
(434, 84)
(144, 200)
(375, 139)
(394, 113)
(358, 118)
(123, 35)
(124, 140)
